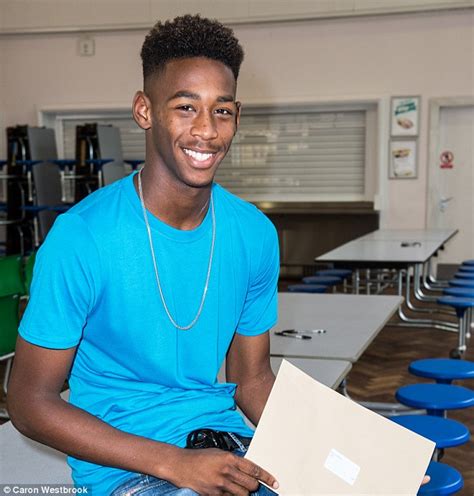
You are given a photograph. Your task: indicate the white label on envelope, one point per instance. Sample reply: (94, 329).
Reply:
(341, 466)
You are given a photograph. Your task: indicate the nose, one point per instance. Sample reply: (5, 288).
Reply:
(204, 126)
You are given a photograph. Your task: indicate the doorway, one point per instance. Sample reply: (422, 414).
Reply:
(451, 175)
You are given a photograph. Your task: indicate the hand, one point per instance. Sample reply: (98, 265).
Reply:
(216, 472)
(425, 480)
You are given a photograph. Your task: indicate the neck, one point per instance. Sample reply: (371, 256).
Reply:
(180, 207)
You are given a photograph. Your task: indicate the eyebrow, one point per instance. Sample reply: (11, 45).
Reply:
(195, 96)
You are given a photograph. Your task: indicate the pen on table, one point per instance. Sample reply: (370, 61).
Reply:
(293, 334)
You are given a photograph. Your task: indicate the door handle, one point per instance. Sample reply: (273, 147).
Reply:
(443, 202)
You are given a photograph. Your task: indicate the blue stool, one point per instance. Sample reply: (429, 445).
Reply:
(466, 268)
(442, 370)
(465, 293)
(445, 433)
(464, 275)
(322, 280)
(342, 273)
(307, 288)
(444, 480)
(469, 263)
(459, 291)
(461, 283)
(435, 398)
(461, 305)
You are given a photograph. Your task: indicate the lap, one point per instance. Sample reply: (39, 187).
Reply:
(146, 485)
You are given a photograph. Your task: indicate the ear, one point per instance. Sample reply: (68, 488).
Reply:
(141, 110)
(237, 115)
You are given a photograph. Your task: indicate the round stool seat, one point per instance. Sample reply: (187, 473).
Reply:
(323, 280)
(463, 292)
(444, 480)
(343, 273)
(460, 304)
(464, 275)
(435, 397)
(469, 263)
(443, 369)
(462, 283)
(466, 268)
(307, 288)
(444, 432)
(63, 163)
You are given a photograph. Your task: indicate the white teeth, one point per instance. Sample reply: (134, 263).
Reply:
(201, 157)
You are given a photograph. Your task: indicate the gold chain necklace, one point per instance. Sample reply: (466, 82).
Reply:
(206, 285)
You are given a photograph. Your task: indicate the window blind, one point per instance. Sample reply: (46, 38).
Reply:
(297, 154)
(279, 155)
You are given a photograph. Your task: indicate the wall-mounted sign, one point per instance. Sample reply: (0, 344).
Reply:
(403, 159)
(405, 114)
(446, 158)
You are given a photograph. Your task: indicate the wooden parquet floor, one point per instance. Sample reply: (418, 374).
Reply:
(384, 367)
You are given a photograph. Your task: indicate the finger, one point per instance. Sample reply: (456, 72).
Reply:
(257, 472)
(244, 480)
(425, 480)
(235, 489)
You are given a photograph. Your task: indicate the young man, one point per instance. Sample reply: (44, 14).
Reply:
(141, 290)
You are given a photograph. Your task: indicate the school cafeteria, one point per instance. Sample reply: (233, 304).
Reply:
(237, 247)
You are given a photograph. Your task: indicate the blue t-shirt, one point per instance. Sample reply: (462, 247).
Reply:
(94, 287)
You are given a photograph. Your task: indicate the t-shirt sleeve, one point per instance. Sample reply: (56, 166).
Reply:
(65, 285)
(260, 311)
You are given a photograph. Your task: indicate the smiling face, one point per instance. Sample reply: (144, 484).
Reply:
(190, 116)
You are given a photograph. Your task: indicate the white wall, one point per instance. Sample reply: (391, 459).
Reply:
(428, 54)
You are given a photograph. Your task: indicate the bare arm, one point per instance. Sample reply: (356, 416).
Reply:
(248, 366)
(38, 411)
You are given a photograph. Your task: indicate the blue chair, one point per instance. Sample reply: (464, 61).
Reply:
(444, 480)
(468, 263)
(436, 399)
(307, 288)
(461, 305)
(443, 370)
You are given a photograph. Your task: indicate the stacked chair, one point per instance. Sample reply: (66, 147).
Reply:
(437, 399)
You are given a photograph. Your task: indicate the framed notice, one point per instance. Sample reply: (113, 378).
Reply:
(405, 115)
(403, 159)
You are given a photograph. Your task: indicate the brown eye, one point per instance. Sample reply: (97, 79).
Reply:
(224, 111)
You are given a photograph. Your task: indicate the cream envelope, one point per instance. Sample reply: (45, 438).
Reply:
(318, 442)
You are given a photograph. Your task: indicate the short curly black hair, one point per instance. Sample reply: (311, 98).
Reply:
(190, 36)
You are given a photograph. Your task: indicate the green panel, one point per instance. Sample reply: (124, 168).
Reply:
(8, 324)
(30, 262)
(10, 276)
